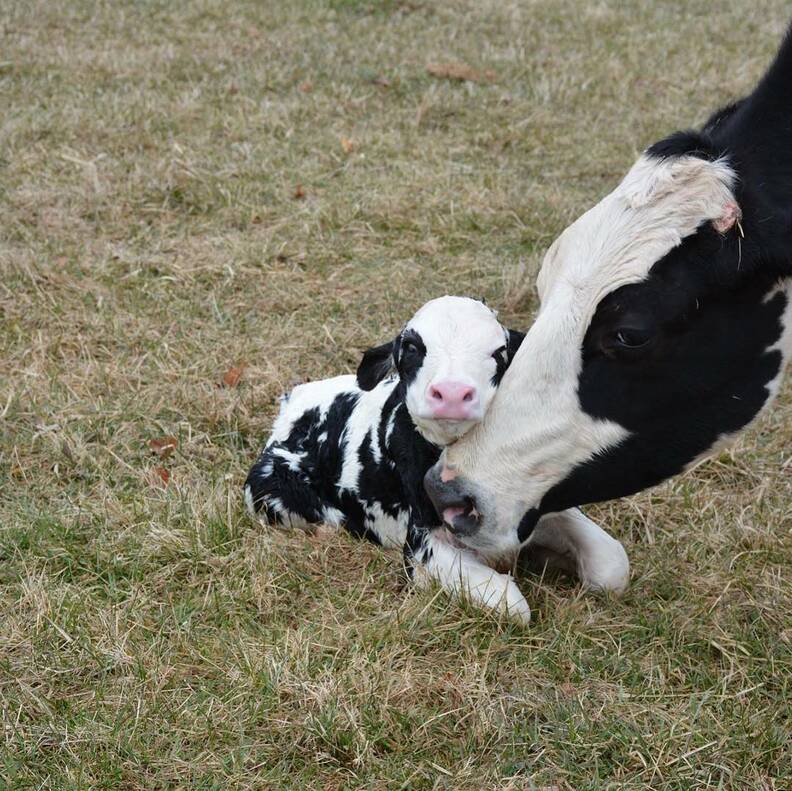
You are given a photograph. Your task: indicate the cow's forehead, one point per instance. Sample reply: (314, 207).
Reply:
(457, 320)
(659, 203)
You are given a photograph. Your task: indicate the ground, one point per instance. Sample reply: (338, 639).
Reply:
(204, 203)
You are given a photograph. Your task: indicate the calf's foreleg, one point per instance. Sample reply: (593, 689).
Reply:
(433, 555)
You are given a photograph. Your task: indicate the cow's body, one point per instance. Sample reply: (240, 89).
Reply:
(342, 456)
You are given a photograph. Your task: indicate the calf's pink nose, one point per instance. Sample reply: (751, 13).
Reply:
(451, 400)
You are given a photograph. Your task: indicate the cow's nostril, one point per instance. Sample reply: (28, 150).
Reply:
(463, 518)
(468, 396)
(435, 394)
(455, 506)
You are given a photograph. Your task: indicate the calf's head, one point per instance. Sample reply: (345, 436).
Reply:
(449, 358)
(664, 326)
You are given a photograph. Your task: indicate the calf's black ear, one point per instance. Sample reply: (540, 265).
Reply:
(375, 365)
(514, 339)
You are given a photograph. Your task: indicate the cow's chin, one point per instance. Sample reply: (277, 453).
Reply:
(485, 519)
(442, 431)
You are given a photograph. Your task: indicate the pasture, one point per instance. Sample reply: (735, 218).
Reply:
(205, 203)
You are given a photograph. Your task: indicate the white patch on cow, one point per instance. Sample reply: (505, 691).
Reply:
(784, 344)
(462, 572)
(332, 516)
(535, 431)
(376, 450)
(288, 518)
(251, 509)
(389, 426)
(572, 542)
(362, 422)
(658, 204)
(312, 395)
(391, 532)
(266, 469)
(294, 460)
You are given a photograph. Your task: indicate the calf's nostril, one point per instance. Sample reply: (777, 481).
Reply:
(455, 397)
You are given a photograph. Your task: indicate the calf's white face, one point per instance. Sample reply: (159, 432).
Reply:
(450, 358)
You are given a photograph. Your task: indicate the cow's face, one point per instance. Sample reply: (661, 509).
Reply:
(450, 358)
(662, 331)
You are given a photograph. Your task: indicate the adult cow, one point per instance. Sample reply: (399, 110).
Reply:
(664, 328)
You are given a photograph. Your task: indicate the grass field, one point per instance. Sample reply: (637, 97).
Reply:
(254, 192)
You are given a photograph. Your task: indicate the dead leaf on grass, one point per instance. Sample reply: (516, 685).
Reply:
(305, 87)
(460, 72)
(158, 476)
(232, 376)
(164, 446)
(381, 82)
(348, 144)
(299, 192)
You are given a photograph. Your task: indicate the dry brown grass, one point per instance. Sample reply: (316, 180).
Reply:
(185, 187)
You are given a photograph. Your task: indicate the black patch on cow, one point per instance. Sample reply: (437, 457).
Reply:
(376, 364)
(405, 353)
(721, 115)
(679, 144)
(505, 354)
(410, 356)
(527, 524)
(417, 550)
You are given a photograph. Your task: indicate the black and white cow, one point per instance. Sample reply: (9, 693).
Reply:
(664, 329)
(353, 451)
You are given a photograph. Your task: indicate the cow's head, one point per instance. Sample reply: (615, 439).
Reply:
(450, 358)
(664, 326)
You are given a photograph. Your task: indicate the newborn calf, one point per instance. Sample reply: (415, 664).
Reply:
(352, 451)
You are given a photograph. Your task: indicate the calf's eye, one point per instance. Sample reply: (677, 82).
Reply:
(500, 352)
(408, 347)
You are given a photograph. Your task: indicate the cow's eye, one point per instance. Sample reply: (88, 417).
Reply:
(631, 338)
(409, 347)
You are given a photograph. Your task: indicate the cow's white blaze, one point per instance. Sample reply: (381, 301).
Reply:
(535, 431)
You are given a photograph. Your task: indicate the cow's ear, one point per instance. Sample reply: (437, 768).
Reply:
(513, 340)
(377, 362)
